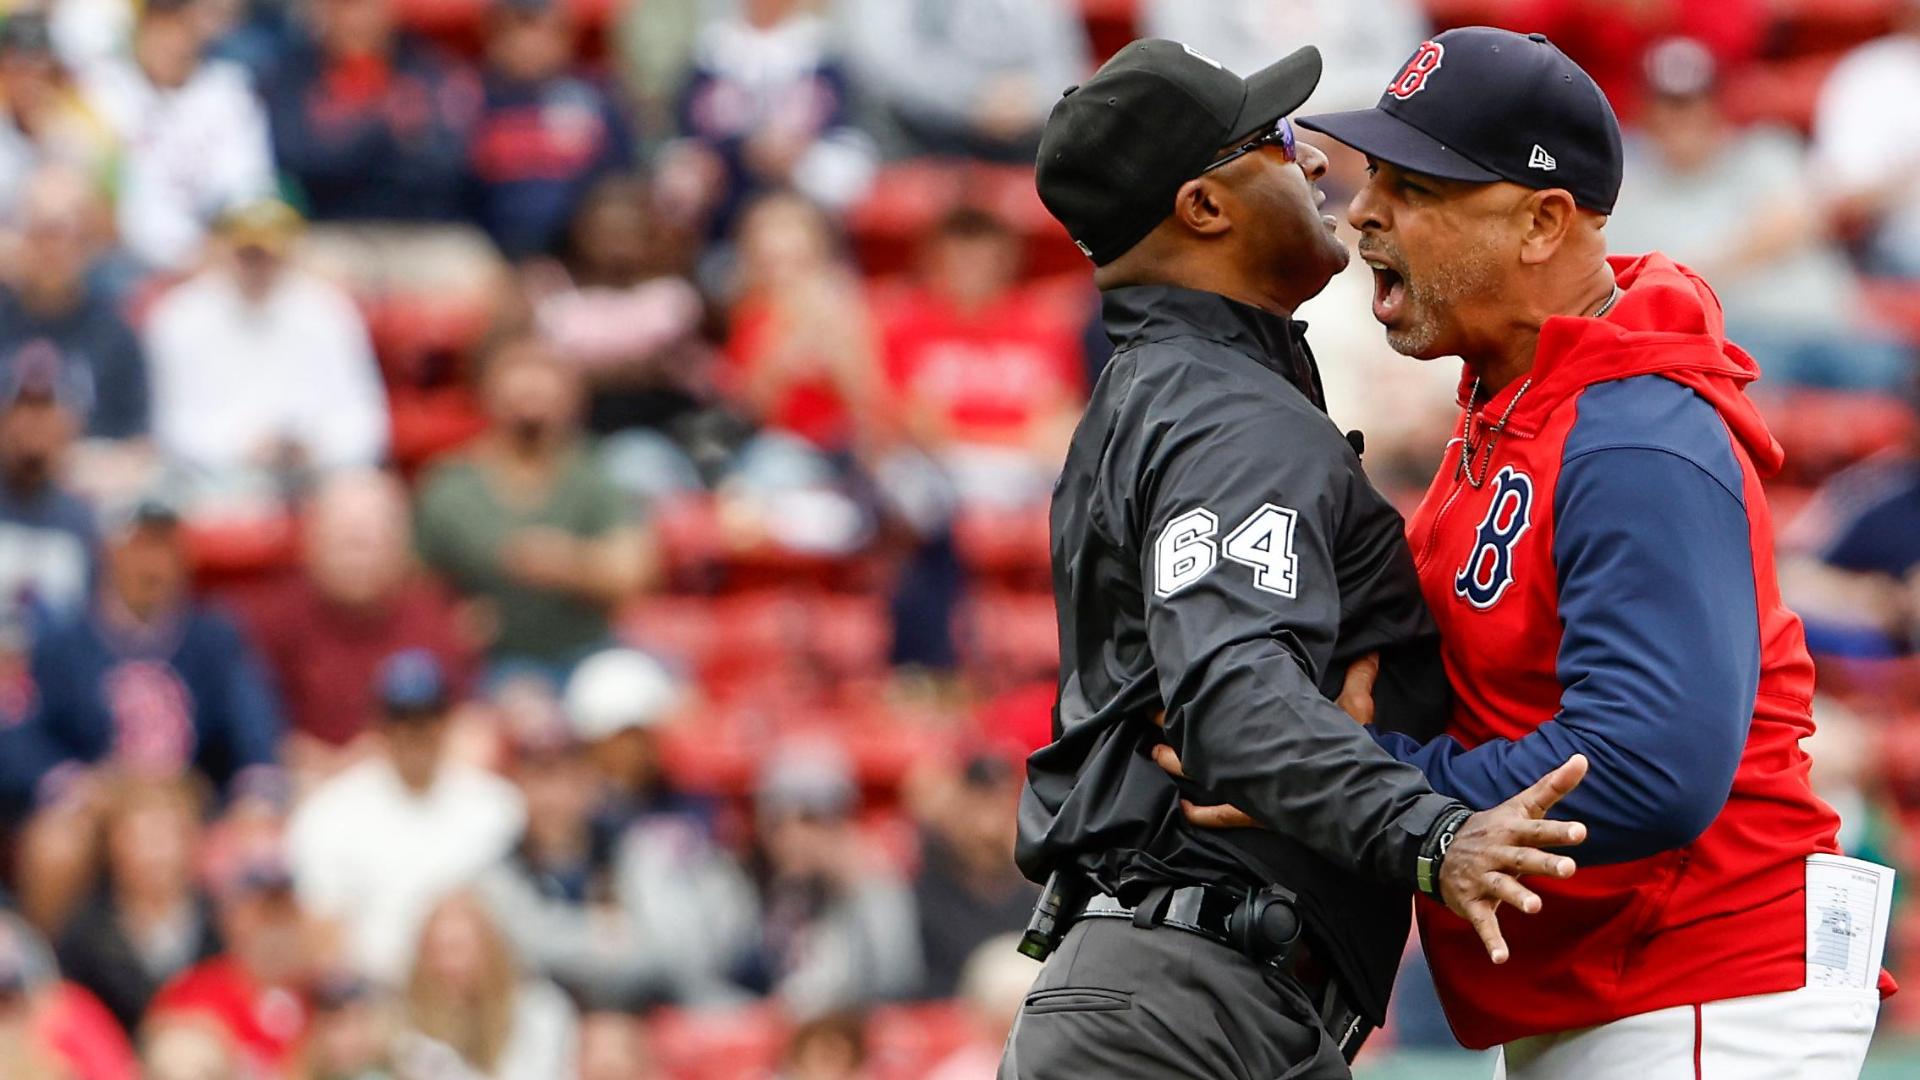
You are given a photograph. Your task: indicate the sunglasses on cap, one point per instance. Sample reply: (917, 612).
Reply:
(1281, 136)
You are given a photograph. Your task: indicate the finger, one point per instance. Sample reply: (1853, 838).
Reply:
(1164, 756)
(1356, 692)
(1481, 914)
(1508, 890)
(1553, 787)
(1217, 817)
(1544, 833)
(1524, 860)
(1362, 673)
(1160, 718)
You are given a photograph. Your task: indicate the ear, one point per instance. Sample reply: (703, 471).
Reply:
(1201, 207)
(1547, 220)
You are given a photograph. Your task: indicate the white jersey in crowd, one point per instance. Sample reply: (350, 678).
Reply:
(187, 153)
(230, 376)
(377, 857)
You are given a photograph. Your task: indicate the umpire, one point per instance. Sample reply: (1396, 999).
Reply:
(1219, 558)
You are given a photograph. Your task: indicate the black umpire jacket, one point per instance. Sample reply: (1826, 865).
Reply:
(1218, 553)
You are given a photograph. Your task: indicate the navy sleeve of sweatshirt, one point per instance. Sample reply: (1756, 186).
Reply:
(1660, 650)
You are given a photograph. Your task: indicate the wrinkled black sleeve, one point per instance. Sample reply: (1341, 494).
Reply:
(1235, 500)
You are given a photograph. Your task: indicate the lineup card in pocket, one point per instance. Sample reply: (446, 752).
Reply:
(1849, 902)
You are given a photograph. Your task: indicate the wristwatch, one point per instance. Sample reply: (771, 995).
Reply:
(1433, 851)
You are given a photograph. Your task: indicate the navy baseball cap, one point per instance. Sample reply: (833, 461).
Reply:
(411, 683)
(1117, 147)
(1484, 105)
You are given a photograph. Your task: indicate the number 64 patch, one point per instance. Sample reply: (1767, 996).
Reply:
(1186, 550)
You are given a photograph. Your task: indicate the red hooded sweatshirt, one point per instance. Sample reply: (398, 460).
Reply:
(1602, 572)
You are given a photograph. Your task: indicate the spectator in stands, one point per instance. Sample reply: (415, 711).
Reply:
(1853, 568)
(375, 847)
(51, 1029)
(47, 536)
(149, 921)
(986, 378)
(188, 1046)
(766, 107)
(194, 136)
(545, 133)
(969, 77)
(372, 124)
(1362, 45)
(615, 308)
(620, 917)
(352, 1033)
(617, 700)
(1867, 142)
(1610, 38)
(829, 1047)
(802, 351)
(968, 889)
(255, 991)
(53, 303)
(837, 928)
(360, 600)
(527, 520)
(467, 1002)
(263, 373)
(993, 985)
(613, 1047)
(147, 680)
(1738, 206)
(653, 44)
(1846, 774)
(43, 118)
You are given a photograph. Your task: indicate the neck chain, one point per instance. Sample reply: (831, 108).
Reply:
(1485, 450)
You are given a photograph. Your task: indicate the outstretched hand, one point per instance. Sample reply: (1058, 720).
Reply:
(1496, 847)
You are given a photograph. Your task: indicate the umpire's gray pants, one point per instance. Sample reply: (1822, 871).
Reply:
(1116, 1002)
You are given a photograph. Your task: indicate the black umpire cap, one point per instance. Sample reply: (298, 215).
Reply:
(1483, 105)
(1117, 147)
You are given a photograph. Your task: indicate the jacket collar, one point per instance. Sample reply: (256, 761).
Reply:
(1138, 314)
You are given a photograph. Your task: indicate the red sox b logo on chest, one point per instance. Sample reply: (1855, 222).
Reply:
(1413, 78)
(1489, 566)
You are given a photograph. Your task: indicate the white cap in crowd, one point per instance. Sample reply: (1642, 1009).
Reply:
(618, 689)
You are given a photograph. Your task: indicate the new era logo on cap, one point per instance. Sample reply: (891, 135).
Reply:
(1541, 159)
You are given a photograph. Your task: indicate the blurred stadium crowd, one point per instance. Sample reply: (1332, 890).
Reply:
(522, 522)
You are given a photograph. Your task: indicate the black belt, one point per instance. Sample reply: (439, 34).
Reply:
(1209, 911)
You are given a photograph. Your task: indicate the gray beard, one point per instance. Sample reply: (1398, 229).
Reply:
(1472, 272)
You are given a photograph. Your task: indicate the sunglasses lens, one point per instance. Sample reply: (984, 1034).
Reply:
(1284, 132)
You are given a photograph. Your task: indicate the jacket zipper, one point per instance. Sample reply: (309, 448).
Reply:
(1440, 516)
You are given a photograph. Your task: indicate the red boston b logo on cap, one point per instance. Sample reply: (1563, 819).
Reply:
(1413, 79)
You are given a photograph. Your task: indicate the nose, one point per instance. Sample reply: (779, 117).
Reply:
(1312, 160)
(1367, 212)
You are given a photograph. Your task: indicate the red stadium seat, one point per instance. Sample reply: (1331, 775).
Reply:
(731, 1044)
(426, 423)
(1801, 27)
(1007, 546)
(1777, 91)
(909, 197)
(1898, 304)
(1008, 638)
(1110, 25)
(908, 1042)
(1824, 431)
(460, 25)
(228, 553)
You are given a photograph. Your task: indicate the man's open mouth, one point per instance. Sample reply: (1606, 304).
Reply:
(1389, 291)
